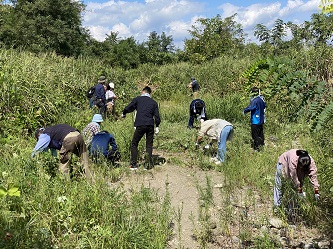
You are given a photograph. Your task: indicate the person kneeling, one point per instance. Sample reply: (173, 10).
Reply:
(104, 143)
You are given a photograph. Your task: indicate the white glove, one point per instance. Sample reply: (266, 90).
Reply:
(123, 115)
(317, 197)
(302, 194)
(157, 130)
(207, 147)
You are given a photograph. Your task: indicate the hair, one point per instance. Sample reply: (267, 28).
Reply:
(199, 104)
(147, 89)
(303, 158)
(255, 90)
(38, 131)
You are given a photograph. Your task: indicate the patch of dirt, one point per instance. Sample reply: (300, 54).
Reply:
(230, 219)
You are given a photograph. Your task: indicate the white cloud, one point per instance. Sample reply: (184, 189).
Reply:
(139, 19)
(175, 17)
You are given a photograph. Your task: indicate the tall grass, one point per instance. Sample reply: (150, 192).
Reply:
(50, 213)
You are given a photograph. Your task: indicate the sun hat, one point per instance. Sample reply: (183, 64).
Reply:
(102, 79)
(97, 118)
(111, 85)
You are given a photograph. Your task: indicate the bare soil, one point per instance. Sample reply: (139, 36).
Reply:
(227, 224)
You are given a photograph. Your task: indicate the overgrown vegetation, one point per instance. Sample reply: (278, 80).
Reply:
(39, 210)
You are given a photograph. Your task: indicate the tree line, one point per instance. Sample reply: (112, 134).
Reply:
(56, 26)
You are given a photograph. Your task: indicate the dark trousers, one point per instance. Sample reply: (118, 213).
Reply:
(257, 132)
(101, 106)
(140, 131)
(191, 121)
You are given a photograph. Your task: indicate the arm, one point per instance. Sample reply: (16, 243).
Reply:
(199, 139)
(112, 143)
(157, 116)
(130, 107)
(250, 107)
(313, 175)
(42, 144)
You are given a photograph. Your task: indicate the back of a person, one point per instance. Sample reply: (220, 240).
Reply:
(258, 115)
(100, 144)
(58, 132)
(146, 108)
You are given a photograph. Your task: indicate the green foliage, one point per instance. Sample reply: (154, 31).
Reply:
(326, 6)
(43, 25)
(47, 89)
(213, 37)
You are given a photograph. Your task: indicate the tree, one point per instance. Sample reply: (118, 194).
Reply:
(326, 6)
(273, 36)
(214, 37)
(159, 49)
(45, 25)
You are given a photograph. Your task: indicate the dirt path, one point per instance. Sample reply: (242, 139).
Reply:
(185, 185)
(182, 185)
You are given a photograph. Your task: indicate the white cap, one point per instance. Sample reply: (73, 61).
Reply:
(111, 85)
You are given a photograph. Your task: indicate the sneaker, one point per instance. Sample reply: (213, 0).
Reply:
(133, 167)
(214, 160)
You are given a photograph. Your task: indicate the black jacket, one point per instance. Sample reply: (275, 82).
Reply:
(147, 111)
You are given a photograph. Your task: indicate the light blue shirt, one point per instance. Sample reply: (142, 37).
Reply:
(43, 145)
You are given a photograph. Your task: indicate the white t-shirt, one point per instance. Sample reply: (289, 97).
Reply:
(212, 128)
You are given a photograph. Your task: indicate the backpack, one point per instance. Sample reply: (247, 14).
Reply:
(90, 93)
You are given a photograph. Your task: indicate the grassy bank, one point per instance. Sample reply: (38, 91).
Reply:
(50, 213)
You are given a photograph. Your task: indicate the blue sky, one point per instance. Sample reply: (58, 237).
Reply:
(138, 18)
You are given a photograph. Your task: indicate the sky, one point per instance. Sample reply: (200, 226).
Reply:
(138, 18)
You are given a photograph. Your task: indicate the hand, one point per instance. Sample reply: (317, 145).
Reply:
(317, 197)
(301, 194)
(123, 115)
(157, 130)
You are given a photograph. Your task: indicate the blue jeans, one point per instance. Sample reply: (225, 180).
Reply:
(222, 145)
(278, 185)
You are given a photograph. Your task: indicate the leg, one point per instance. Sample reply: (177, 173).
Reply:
(261, 136)
(149, 144)
(278, 185)
(191, 121)
(65, 157)
(222, 145)
(138, 134)
(76, 145)
(257, 136)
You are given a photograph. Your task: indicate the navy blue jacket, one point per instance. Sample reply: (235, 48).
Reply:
(257, 107)
(57, 134)
(101, 143)
(147, 111)
(100, 92)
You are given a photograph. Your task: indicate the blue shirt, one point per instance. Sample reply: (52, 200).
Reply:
(257, 107)
(100, 92)
(101, 142)
(43, 145)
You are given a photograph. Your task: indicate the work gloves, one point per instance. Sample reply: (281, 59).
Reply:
(123, 115)
(317, 196)
(302, 194)
(156, 130)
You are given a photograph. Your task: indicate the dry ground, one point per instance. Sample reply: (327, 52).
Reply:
(228, 221)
